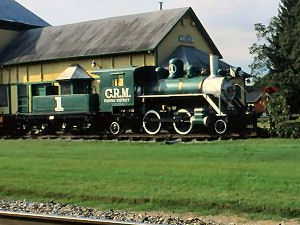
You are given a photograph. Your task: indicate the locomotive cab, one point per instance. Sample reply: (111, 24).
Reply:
(74, 94)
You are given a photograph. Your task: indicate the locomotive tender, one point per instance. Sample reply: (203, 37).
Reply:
(143, 99)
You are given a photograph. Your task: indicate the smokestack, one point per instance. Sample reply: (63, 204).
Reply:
(214, 65)
(160, 6)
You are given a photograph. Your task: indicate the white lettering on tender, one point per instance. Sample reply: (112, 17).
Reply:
(59, 107)
(116, 93)
(108, 93)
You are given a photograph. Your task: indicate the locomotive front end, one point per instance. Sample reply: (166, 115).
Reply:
(219, 87)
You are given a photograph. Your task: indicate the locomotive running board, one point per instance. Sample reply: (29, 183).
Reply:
(207, 98)
(168, 96)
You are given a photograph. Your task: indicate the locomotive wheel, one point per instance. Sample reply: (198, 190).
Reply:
(220, 127)
(183, 124)
(151, 122)
(114, 128)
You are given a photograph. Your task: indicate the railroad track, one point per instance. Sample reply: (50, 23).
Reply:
(138, 137)
(16, 218)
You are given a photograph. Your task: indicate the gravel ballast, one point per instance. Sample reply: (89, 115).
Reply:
(57, 209)
(53, 208)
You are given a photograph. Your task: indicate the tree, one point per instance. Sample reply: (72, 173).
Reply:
(277, 53)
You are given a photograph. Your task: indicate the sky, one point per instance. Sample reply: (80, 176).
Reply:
(230, 23)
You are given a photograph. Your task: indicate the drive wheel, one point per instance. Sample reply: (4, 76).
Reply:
(220, 127)
(151, 122)
(183, 124)
(114, 128)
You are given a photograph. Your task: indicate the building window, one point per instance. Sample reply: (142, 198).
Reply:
(3, 96)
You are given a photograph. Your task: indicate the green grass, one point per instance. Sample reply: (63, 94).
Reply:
(254, 177)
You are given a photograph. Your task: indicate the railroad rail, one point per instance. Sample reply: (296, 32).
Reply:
(17, 218)
(169, 138)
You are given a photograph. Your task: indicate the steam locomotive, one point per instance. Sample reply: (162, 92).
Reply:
(143, 99)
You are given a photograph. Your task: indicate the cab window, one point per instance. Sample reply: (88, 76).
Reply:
(118, 80)
(52, 90)
(80, 88)
(66, 88)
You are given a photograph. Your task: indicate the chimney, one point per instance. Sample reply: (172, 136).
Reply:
(160, 6)
(214, 65)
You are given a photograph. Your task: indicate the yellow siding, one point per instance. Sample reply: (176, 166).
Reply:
(171, 42)
(150, 59)
(14, 99)
(48, 72)
(106, 63)
(5, 76)
(34, 72)
(122, 61)
(138, 60)
(84, 63)
(56, 67)
(13, 75)
(22, 73)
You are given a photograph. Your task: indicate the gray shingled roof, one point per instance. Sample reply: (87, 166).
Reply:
(12, 11)
(133, 33)
(193, 56)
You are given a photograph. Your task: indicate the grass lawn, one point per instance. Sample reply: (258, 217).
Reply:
(259, 177)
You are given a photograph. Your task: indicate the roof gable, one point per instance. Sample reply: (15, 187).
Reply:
(133, 33)
(12, 12)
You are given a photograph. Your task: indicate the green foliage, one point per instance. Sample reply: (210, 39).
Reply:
(276, 55)
(289, 129)
(278, 112)
(260, 176)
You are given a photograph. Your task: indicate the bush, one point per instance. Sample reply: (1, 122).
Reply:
(278, 112)
(289, 129)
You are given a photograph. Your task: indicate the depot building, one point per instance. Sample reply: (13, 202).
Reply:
(34, 52)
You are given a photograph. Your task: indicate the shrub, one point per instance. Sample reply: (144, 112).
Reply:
(278, 112)
(289, 129)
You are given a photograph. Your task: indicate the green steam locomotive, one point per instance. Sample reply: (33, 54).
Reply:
(140, 99)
